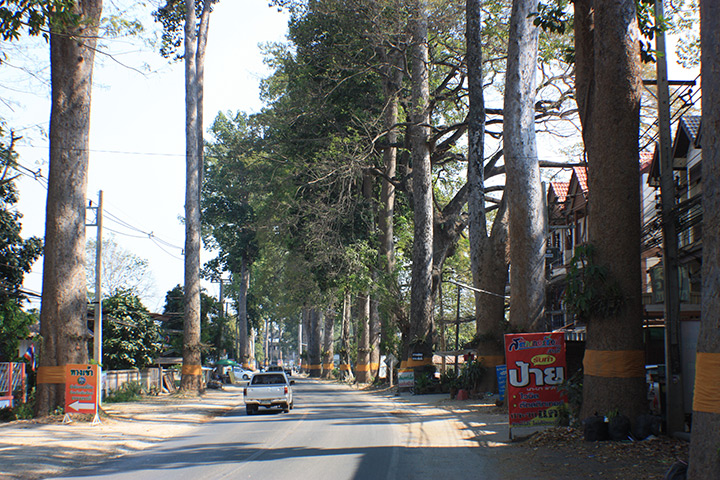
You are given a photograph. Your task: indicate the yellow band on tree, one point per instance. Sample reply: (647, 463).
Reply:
(410, 363)
(328, 366)
(614, 363)
(344, 367)
(51, 374)
(192, 369)
(707, 383)
(362, 367)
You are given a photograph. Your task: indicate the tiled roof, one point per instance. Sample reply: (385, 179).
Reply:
(560, 189)
(581, 174)
(691, 124)
(646, 159)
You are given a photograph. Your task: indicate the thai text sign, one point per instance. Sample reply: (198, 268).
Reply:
(535, 369)
(81, 388)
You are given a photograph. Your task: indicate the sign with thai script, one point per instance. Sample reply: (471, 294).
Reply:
(536, 367)
(81, 388)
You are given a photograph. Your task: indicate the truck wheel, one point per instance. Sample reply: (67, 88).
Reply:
(249, 410)
(286, 409)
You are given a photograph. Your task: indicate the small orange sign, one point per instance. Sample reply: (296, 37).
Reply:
(81, 388)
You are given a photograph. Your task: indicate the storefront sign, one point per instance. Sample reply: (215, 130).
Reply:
(536, 367)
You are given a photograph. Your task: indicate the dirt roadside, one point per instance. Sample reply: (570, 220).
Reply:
(34, 449)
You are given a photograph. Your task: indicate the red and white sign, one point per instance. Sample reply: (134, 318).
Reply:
(536, 367)
(81, 388)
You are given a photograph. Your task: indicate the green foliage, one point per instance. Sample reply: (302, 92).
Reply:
(471, 374)
(35, 16)
(21, 410)
(17, 256)
(14, 326)
(172, 18)
(590, 291)
(128, 392)
(131, 338)
(211, 328)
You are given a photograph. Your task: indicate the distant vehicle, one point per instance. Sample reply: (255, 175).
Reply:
(279, 368)
(241, 373)
(269, 390)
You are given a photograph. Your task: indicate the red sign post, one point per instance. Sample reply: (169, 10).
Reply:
(536, 367)
(81, 388)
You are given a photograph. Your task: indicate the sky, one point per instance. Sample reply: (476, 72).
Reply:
(137, 131)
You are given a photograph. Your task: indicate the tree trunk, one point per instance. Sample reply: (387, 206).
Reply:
(362, 312)
(608, 92)
(328, 350)
(192, 369)
(488, 254)
(523, 185)
(244, 353)
(704, 454)
(314, 342)
(345, 369)
(420, 333)
(63, 316)
(386, 248)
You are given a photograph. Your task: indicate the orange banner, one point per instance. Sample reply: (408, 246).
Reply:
(614, 363)
(51, 374)
(192, 369)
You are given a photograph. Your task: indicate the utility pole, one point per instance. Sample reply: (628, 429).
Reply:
(97, 333)
(674, 388)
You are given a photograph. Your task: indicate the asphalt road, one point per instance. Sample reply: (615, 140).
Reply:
(331, 433)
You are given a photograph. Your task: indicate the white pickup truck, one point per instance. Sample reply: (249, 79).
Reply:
(269, 390)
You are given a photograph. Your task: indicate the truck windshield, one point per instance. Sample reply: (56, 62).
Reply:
(268, 380)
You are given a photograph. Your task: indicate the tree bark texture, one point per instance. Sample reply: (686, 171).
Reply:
(245, 354)
(314, 342)
(191, 380)
(523, 185)
(362, 363)
(328, 349)
(421, 300)
(63, 316)
(704, 453)
(488, 254)
(608, 92)
(345, 369)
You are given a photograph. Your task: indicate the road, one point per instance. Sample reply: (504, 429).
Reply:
(332, 433)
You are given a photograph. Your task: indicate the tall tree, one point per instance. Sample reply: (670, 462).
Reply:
(608, 84)
(421, 302)
(328, 350)
(192, 18)
(73, 40)
(194, 69)
(488, 256)
(704, 453)
(524, 192)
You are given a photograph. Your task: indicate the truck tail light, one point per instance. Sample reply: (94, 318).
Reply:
(245, 392)
(286, 389)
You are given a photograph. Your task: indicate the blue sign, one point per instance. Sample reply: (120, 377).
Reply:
(501, 371)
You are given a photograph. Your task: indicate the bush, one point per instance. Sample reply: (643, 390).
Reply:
(471, 375)
(128, 392)
(21, 410)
